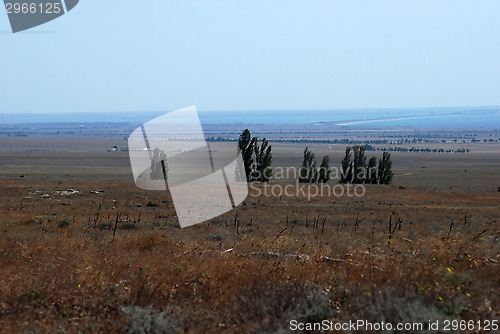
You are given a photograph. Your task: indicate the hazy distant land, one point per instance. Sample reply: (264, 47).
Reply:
(479, 117)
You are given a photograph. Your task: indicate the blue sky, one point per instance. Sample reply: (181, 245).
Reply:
(239, 55)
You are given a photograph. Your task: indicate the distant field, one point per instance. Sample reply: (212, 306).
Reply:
(85, 250)
(79, 158)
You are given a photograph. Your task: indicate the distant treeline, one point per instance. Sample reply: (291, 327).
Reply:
(419, 149)
(364, 142)
(367, 144)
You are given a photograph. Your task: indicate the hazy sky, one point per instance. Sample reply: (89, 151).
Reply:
(262, 54)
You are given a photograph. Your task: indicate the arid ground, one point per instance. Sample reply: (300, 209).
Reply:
(82, 249)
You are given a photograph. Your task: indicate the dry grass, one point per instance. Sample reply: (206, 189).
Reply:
(61, 268)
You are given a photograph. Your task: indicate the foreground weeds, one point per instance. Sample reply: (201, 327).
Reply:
(115, 261)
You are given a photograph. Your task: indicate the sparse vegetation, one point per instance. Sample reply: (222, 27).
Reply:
(323, 261)
(63, 223)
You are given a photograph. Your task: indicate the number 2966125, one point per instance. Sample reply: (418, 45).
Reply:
(33, 8)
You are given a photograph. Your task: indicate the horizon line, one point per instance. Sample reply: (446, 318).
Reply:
(252, 110)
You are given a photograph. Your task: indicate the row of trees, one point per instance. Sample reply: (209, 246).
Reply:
(257, 160)
(309, 173)
(356, 170)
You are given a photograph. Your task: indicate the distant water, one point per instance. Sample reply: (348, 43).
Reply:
(485, 117)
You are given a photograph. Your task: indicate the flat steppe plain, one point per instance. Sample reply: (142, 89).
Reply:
(84, 250)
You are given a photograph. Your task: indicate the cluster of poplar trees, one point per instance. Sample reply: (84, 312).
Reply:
(257, 160)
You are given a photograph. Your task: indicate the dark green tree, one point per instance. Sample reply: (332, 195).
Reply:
(346, 167)
(356, 170)
(385, 173)
(372, 176)
(324, 170)
(359, 160)
(262, 171)
(159, 167)
(246, 145)
(257, 159)
(308, 171)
